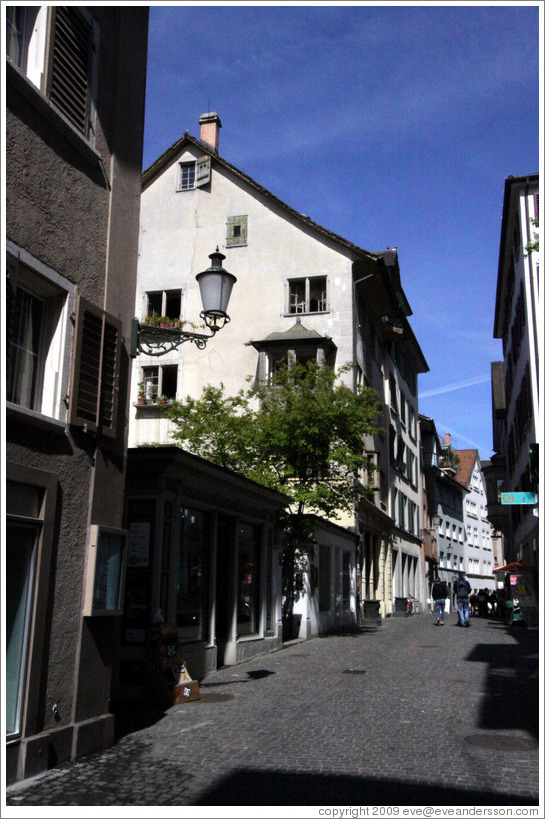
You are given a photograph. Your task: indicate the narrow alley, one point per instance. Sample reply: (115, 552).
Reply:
(404, 713)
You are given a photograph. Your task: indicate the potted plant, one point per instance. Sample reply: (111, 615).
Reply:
(141, 393)
(153, 320)
(161, 399)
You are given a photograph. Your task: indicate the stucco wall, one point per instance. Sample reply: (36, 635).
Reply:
(75, 209)
(178, 232)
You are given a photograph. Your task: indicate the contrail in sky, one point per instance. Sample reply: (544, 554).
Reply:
(459, 385)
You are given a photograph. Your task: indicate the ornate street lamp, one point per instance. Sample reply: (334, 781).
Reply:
(215, 284)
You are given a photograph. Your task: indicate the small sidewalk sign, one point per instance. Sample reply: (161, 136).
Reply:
(518, 497)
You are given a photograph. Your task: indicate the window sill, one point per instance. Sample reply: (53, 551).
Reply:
(307, 313)
(153, 404)
(33, 418)
(41, 103)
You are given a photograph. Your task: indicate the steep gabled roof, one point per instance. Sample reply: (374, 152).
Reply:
(187, 140)
(387, 260)
(467, 459)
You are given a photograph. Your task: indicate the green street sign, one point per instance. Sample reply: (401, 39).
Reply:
(518, 497)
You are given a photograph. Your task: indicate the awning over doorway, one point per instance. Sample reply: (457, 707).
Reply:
(512, 568)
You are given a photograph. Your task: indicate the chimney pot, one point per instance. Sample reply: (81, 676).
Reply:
(210, 129)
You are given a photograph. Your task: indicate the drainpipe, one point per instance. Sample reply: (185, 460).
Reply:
(533, 307)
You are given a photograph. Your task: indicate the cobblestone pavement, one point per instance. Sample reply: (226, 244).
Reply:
(404, 713)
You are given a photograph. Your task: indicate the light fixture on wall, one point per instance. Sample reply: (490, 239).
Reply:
(215, 284)
(396, 328)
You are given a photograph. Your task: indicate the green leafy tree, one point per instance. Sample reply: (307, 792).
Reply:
(301, 433)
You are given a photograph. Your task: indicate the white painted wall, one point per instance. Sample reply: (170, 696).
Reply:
(479, 554)
(179, 229)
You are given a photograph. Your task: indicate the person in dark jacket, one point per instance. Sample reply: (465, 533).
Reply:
(462, 590)
(439, 593)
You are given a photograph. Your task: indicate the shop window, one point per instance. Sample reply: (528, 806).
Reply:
(324, 578)
(346, 581)
(105, 574)
(248, 592)
(192, 590)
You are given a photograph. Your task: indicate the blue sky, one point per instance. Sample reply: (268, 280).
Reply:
(392, 125)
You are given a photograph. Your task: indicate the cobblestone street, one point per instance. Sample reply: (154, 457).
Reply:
(404, 713)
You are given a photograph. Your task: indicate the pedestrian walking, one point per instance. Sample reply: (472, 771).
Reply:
(492, 600)
(473, 603)
(482, 603)
(439, 593)
(462, 590)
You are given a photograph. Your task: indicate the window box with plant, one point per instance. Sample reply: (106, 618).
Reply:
(153, 320)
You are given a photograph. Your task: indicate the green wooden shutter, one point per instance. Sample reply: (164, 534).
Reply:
(236, 231)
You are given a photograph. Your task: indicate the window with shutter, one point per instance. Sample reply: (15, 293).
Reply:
(55, 47)
(202, 171)
(237, 231)
(70, 63)
(194, 174)
(36, 317)
(95, 371)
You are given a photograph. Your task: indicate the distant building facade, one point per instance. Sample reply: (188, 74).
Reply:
(478, 533)
(515, 380)
(450, 517)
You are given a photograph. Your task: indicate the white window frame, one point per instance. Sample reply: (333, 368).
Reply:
(36, 65)
(202, 171)
(58, 298)
(303, 306)
(154, 387)
(165, 295)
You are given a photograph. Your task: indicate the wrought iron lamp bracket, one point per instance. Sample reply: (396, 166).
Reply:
(157, 341)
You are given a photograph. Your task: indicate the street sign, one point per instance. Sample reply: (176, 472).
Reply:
(518, 497)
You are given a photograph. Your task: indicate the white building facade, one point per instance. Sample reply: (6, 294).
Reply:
(300, 289)
(479, 552)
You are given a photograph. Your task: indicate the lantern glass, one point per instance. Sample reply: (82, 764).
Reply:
(215, 285)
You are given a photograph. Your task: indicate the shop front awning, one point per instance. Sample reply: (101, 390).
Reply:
(512, 568)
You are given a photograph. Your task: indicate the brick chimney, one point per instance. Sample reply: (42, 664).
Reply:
(210, 129)
(448, 439)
